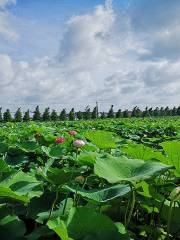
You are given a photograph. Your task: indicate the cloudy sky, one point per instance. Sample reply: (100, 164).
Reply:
(64, 53)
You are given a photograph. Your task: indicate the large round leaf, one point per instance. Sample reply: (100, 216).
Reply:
(83, 222)
(9, 196)
(172, 150)
(23, 184)
(140, 151)
(102, 139)
(28, 146)
(102, 195)
(12, 228)
(115, 169)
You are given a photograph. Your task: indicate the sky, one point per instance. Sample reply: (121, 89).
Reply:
(72, 53)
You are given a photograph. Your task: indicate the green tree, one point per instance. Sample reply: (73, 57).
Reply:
(37, 114)
(136, 112)
(133, 113)
(72, 115)
(26, 117)
(119, 114)
(79, 115)
(125, 114)
(178, 111)
(167, 111)
(174, 111)
(150, 112)
(63, 116)
(46, 115)
(103, 115)
(18, 115)
(87, 113)
(161, 111)
(95, 113)
(111, 112)
(7, 116)
(1, 118)
(54, 115)
(156, 112)
(145, 113)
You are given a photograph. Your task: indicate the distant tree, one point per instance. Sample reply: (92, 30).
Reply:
(72, 115)
(7, 116)
(95, 113)
(145, 113)
(119, 114)
(37, 114)
(63, 116)
(87, 113)
(150, 112)
(167, 111)
(1, 118)
(133, 113)
(26, 117)
(103, 115)
(178, 111)
(156, 112)
(46, 115)
(136, 112)
(111, 112)
(161, 112)
(79, 115)
(18, 115)
(125, 114)
(174, 111)
(54, 115)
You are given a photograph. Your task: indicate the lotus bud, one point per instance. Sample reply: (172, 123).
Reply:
(78, 143)
(72, 132)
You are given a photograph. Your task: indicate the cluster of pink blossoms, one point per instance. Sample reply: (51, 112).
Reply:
(77, 143)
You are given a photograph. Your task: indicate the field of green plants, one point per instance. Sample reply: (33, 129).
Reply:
(90, 180)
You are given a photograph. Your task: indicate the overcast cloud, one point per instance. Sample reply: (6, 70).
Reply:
(129, 57)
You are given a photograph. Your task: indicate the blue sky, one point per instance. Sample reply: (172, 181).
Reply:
(124, 52)
(41, 24)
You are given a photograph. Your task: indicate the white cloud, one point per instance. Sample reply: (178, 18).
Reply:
(4, 3)
(96, 61)
(5, 26)
(6, 70)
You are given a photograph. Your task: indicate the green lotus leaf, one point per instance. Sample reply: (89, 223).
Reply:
(9, 196)
(102, 139)
(117, 169)
(102, 195)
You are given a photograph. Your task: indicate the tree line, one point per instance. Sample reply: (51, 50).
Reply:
(87, 114)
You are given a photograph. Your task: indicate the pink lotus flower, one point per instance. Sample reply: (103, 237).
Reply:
(72, 132)
(59, 140)
(78, 143)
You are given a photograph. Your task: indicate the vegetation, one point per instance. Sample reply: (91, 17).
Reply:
(90, 180)
(87, 114)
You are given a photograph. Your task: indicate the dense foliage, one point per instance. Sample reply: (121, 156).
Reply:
(106, 179)
(87, 114)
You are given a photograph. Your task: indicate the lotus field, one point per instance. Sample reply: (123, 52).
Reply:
(90, 180)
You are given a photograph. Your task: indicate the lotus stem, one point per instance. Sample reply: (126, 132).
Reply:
(170, 214)
(169, 219)
(125, 217)
(52, 207)
(64, 207)
(131, 207)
